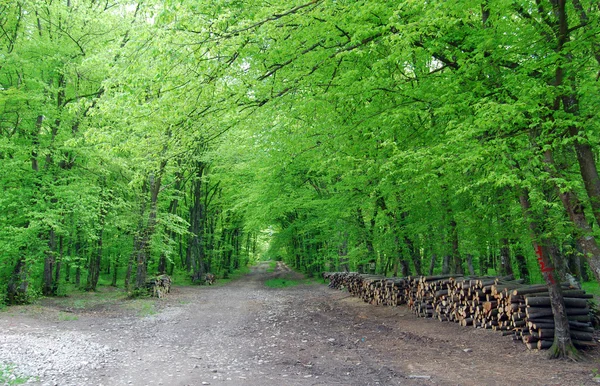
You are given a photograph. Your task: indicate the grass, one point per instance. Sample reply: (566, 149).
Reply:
(142, 307)
(81, 300)
(232, 276)
(591, 287)
(66, 316)
(272, 266)
(285, 282)
(8, 376)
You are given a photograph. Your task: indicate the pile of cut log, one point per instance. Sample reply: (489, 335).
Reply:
(159, 285)
(498, 303)
(377, 290)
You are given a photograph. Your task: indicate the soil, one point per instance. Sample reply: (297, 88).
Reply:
(245, 333)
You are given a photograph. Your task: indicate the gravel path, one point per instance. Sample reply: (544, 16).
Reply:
(247, 334)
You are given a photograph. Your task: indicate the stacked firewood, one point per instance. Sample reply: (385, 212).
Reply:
(535, 322)
(501, 304)
(159, 285)
(373, 289)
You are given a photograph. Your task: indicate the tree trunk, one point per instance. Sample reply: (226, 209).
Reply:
(562, 346)
(115, 270)
(130, 265)
(505, 265)
(195, 241)
(470, 264)
(162, 261)
(96, 256)
(143, 247)
(405, 271)
(432, 264)
(457, 267)
(522, 266)
(570, 105)
(94, 267)
(58, 266)
(343, 253)
(574, 208)
(446, 265)
(367, 233)
(16, 292)
(78, 251)
(47, 286)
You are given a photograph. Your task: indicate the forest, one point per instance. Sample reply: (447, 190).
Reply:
(403, 138)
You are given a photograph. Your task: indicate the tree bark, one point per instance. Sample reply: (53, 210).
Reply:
(18, 282)
(574, 209)
(162, 261)
(470, 264)
(197, 219)
(96, 256)
(570, 105)
(522, 266)
(57, 266)
(47, 286)
(446, 265)
(432, 264)
(143, 247)
(505, 265)
(115, 270)
(562, 346)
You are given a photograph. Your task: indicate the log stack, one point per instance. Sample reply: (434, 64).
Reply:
(373, 289)
(159, 285)
(501, 304)
(538, 329)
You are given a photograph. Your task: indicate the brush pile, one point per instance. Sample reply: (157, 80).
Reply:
(497, 303)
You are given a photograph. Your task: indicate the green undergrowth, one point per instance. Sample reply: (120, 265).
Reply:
(79, 300)
(232, 276)
(142, 307)
(591, 287)
(287, 281)
(272, 266)
(8, 376)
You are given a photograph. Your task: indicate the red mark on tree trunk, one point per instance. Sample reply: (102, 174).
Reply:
(540, 259)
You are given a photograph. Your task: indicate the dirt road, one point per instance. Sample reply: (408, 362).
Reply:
(247, 334)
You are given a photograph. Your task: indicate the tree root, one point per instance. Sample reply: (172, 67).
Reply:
(568, 352)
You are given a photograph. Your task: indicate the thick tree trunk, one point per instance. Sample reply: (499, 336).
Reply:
(574, 208)
(570, 105)
(589, 173)
(562, 346)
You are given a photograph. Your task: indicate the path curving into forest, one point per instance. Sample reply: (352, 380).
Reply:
(244, 333)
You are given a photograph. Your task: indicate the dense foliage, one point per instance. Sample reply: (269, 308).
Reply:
(398, 137)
